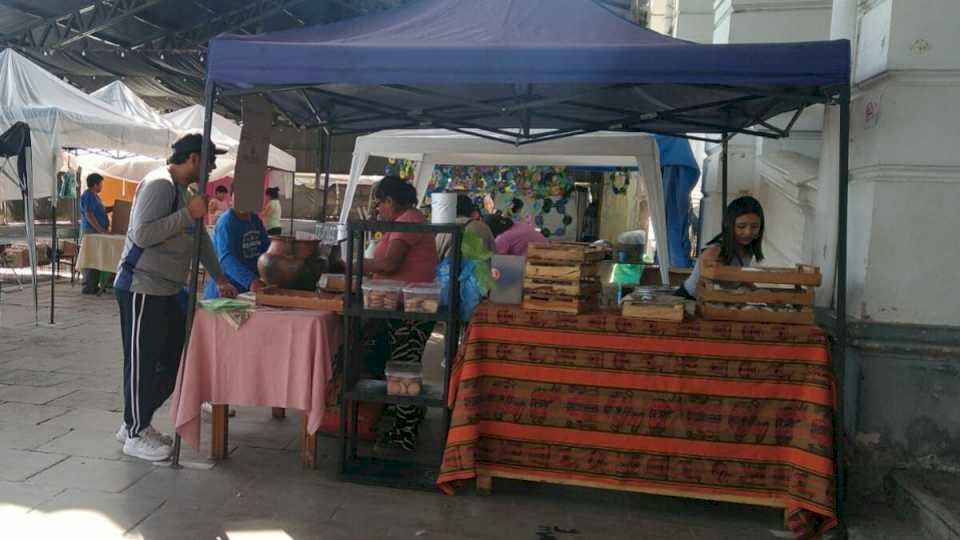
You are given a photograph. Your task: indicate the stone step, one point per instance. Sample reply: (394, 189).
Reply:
(931, 498)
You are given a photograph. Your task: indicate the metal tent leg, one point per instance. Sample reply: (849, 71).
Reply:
(723, 167)
(208, 101)
(839, 359)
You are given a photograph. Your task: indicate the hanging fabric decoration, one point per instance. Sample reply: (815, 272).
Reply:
(622, 188)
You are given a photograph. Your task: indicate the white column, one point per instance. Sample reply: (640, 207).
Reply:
(776, 172)
(904, 251)
(662, 16)
(694, 20)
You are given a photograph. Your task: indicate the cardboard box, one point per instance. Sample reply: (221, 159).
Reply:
(120, 219)
(18, 255)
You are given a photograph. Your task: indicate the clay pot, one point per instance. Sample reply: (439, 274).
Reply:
(291, 264)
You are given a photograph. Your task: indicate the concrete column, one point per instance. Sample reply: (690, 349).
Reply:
(694, 20)
(662, 16)
(757, 164)
(905, 164)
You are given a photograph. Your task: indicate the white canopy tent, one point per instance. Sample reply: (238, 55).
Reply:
(61, 116)
(122, 98)
(429, 148)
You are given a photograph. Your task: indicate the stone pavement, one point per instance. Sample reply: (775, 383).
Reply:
(62, 474)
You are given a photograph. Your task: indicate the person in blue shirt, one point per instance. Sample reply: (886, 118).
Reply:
(239, 239)
(93, 220)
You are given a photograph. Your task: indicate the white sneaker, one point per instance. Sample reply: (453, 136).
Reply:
(149, 432)
(148, 448)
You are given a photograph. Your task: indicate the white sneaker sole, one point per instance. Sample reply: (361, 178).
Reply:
(147, 457)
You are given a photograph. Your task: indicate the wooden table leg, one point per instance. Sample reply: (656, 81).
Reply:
(279, 412)
(308, 447)
(220, 429)
(484, 484)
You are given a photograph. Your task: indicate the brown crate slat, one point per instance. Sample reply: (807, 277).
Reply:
(801, 275)
(562, 304)
(561, 272)
(804, 297)
(574, 252)
(561, 287)
(714, 312)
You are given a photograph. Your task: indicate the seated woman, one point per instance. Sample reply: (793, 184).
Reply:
(738, 244)
(410, 258)
(512, 238)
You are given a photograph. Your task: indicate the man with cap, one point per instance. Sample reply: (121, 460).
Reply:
(152, 273)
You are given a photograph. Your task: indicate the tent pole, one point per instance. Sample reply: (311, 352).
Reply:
(723, 165)
(54, 254)
(209, 98)
(840, 358)
(327, 165)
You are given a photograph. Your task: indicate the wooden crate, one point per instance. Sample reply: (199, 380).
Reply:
(788, 293)
(289, 298)
(573, 252)
(563, 304)
(729, 312)
(661, 308)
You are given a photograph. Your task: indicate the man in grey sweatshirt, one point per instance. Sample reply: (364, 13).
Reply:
(150, 291)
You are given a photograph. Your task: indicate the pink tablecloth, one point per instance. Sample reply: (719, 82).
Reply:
(278, 358)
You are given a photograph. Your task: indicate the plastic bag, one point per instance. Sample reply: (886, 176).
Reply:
(470, 292)
(472, 248)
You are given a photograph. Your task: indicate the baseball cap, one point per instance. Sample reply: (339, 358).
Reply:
(193, 143)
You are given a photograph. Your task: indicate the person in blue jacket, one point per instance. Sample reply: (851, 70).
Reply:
(239, 239)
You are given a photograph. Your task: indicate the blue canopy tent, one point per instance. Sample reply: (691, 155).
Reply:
(501, 69)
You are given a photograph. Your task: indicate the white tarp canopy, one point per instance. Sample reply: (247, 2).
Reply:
(61, 116)
(432, 147)
(225, 134)
(122, 98)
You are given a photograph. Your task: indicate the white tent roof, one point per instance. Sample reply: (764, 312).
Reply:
(433, 147)
(225, 134)
(60, 115)
(122, 98)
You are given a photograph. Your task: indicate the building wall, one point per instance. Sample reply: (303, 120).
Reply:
(904, 357)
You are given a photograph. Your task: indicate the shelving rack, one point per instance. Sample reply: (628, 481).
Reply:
(369, 469)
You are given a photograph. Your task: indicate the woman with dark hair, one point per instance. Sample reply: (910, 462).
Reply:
(410, 258)
(271, 211)
(739, 243)
(513, 238)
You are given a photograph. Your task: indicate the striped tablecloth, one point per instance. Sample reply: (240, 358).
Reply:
(720, 410)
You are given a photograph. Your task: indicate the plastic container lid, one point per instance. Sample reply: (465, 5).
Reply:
(404, 369)
(422, 289)
(382, 285)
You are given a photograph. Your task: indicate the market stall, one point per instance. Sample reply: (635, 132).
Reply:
(62, 117)
(560, 68)
(429, 148)
(707, 409)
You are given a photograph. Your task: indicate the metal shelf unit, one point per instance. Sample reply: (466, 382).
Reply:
(380, 471)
